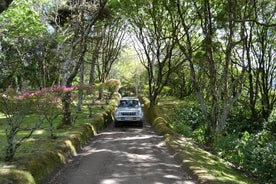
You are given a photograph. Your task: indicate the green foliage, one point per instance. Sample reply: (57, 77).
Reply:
(254, 153)
(249, 146)
(182, 129)
(15, 176)
(206, 167)
(239, 121)
(130, 72)
(22, 19)
(271, 123)
(189, 121)
(190, 115)
(112, 86)
(199, 134)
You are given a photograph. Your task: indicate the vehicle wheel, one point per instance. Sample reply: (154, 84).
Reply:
(140, 124)
(116, 124)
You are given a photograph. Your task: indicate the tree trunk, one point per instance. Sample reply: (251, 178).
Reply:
(71, 65)
(80, 92)
(92, 73)
(66, 109)
(4, 4)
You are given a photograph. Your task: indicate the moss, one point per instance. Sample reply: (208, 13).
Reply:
(98, 121)
(68, 148)
(45, 164)
(9, 176)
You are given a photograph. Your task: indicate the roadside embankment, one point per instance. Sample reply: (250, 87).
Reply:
(50, 160)
(202, 165)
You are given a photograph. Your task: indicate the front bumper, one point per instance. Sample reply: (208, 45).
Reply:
(123, 118)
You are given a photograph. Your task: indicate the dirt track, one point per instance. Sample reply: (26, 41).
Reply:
(125, 155)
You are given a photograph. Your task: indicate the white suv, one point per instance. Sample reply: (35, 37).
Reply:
(129, 109)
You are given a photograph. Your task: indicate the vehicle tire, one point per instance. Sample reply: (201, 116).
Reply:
(116, 124)
(140, 124)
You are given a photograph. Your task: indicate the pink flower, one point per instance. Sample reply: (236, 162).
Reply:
(4, 95)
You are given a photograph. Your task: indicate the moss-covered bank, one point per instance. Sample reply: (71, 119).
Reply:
(202, 165)
(39, 167)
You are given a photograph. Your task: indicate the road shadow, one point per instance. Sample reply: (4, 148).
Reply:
(122, 156)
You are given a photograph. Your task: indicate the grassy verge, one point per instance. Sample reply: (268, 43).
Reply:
(202, 165)
(40, 154)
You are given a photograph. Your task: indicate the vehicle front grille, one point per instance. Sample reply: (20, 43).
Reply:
(128, 113)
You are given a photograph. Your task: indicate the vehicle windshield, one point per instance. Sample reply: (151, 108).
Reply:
(128, 103)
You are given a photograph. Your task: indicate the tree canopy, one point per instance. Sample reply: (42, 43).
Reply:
(221, 53)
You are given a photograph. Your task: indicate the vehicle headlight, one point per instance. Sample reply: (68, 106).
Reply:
(140, 113)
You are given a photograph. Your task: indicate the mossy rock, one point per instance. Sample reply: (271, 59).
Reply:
(11, 176)
(45, 164)
(99, 121)
(77, 141)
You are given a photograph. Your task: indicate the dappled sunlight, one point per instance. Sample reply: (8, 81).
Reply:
(110, 181)
(172, 176)
(31, 140)
(39, 132)
(135, 138)
(128, 155)
(69, 144)
(7, 167)
(2, 132)
(2, 116)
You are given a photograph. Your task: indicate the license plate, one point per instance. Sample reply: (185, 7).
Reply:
(128, 118)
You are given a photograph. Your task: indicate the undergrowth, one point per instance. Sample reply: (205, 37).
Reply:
(249, 146)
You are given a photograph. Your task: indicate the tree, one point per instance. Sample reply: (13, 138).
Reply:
(111, 37)
(74, 22)
(258, 43)
(155, 31)
(130, 72)
(263, 54)
(16, 107)
(110, 45)
(213, 25)
(18, 51)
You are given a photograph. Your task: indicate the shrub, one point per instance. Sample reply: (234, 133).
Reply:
(258, 155)
(182, 129)
(271, 124)
(190, 115)
(238, 122)
(188, 120)
(254, 153)
(199, 134)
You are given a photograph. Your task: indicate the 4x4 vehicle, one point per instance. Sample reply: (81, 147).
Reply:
(129, 109)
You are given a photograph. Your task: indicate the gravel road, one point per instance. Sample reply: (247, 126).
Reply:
(126, 155)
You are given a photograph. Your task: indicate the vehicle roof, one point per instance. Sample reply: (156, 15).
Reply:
(129, 98)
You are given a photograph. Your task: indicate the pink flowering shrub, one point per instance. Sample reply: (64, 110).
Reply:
(45, 104)
(15, 108)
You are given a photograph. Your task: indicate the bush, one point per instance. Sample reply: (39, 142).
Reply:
(271, 124)
(192, 116)
(254, 153)
(258, 155)
(181, 128)
(199, 134)
(188, 116)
